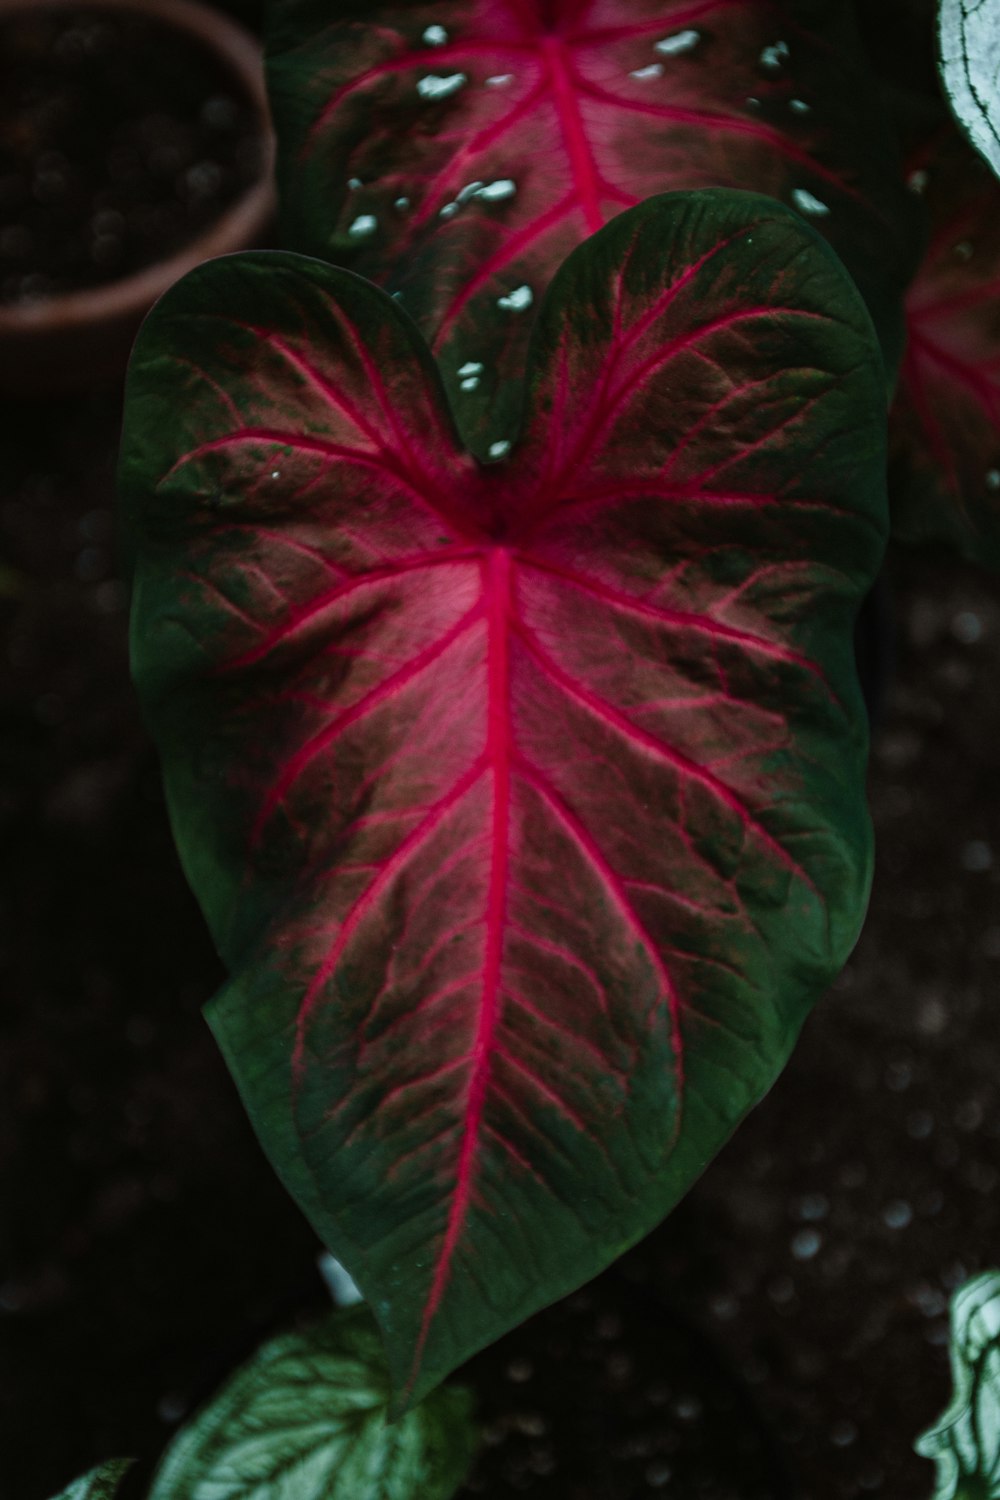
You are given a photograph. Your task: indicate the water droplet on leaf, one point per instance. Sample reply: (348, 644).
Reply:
(339, 1282)
(496, 192)
(654, 70)
(363, 226)
(774, 57)
(519, 300)
(435, 36)
(499, 449)
(806, 203)
(680, 41)
(499, 80)
(434, 86)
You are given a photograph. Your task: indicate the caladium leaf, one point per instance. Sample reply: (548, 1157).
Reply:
(965, 1440)
(307, 1419)
(946, 419)
(969, 46)
(525, 799)
(455, 151)
(101, 1483)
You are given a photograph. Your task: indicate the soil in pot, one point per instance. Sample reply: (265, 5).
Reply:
(120, 140)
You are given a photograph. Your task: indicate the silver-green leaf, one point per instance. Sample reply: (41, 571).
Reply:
(100, 1483)
(305, 1419)
(969, 45)
(965, 1440)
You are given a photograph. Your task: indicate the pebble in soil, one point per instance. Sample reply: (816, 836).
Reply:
(119, 140)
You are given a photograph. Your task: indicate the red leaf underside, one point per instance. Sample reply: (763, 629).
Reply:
(946, 423)
(524, 799)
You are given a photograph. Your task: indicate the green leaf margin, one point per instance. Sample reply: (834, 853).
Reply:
(101, 1483)
(968, 33)
(964, 1442)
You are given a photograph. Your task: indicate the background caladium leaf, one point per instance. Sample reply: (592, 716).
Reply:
(969, 46)
(455, 151)
(307, 1419)
(525, 800)
(945, 423)
(965, 1440)
(101, 1483)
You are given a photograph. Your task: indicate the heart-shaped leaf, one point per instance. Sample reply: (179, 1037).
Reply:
(455, 151)
(525, 800)
(946, 418)
(965, 1440)
(969, 47)
(307, 1419)
(101, 1483)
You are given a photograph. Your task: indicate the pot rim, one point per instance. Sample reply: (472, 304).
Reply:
(238, 224)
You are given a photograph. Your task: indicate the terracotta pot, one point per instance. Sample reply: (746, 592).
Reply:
(70, 340)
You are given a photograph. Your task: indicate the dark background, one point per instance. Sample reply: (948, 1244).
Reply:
(795, 1305)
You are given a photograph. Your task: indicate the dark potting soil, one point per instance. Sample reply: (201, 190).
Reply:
(783, 1332)
(120, 139)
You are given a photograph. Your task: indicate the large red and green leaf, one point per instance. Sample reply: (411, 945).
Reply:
(525, 800)
(946, 419)
(455, 151)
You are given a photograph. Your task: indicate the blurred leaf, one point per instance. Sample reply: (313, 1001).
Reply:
(454, 151)
(969, 42)
(305, 1419)
(965, 1440)
(945, 425)
(100, 1484)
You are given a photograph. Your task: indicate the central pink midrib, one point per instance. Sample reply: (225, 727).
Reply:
(499, 611)
(555, 55)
